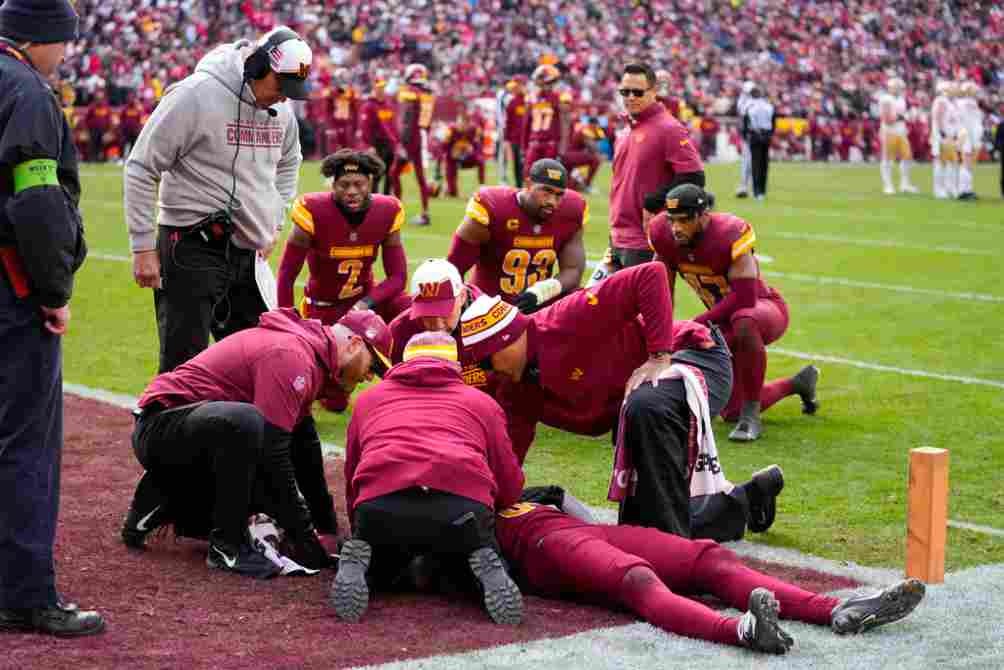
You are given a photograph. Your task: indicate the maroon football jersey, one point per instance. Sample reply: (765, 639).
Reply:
(341, 255)
(344, 108)
(515, 113)
(521, 526)
(706, 266)
(522, 250)
(543, 118)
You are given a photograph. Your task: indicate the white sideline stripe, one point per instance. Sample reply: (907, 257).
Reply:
(129, 402)
(976, 528)
(839, 281)
(865, 365)
(817, 237)
(825, 213)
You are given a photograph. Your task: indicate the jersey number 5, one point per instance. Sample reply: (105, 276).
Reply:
(709, 288)
(516, 265)
(350, 289)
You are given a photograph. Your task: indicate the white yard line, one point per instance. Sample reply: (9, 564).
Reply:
(830, 214)
(896, 288)
(892, 244)
(878, 367)
(129, 402)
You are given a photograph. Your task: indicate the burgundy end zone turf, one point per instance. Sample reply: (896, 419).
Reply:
(166, 609)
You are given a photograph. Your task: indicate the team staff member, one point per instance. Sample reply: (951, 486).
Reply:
(41, 246)
(339, 234)
(514, 237)
(220, 157)
(549, 371)
(644, 570)
(654, 155)
(241, 409)
(416, 104)
(714, 254)
(415, 486)
(439, 298)
(377, 128)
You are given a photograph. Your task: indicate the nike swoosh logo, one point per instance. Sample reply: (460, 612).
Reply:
(230, 562)
(141, 525)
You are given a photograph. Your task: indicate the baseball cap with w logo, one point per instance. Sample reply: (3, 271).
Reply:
(291, 61)
(435, 287)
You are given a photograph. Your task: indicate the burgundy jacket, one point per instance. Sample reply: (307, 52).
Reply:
(422, 426)
(585, 347)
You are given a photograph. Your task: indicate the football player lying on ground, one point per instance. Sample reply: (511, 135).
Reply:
(233, 425)
(553, 554)
(598, 360)
(427, 464)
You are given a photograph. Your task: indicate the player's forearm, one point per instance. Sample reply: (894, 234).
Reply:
(293, 257)
(395, 267)
(741, 296)
(463, 254)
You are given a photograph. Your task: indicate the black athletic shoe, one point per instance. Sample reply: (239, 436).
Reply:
(147, 512)
(503, 601)
(59, 620)
(350, 594)
(763, 503)
(242, 559)
(861, 613)
(759, 629)
(804, 384)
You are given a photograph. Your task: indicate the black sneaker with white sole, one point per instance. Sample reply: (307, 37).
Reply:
(804, 384)
(759, 629)
(861, 613)
(242, 559)
(147, 512)
(748, 429)
(767, 483)
(350, 594)
(503, 600)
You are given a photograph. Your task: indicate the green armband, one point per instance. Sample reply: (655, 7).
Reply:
(38, 172)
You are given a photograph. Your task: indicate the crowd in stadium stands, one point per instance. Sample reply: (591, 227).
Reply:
(821, 61)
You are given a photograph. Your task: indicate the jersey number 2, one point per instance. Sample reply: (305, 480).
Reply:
(516, 265)
(352, 268)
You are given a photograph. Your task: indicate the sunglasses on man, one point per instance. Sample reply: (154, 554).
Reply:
(636, 92)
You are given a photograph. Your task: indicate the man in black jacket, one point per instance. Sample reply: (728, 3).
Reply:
(41, 246)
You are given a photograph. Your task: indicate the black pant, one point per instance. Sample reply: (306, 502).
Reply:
(416, 522)
(206, 289)
(517, 164)
(759, 163)
(31, 444)
(627, 258)
(657, 425)
(204, 456)
(386, 153)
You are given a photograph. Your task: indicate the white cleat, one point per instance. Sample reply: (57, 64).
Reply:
(908, 188)
(889, 190)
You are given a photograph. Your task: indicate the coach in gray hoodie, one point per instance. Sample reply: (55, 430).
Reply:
(220, 157)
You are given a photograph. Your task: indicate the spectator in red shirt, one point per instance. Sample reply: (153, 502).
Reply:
(133, 117)
(240, 412)
(416, 487)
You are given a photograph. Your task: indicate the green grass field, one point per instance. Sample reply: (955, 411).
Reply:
(899, 292)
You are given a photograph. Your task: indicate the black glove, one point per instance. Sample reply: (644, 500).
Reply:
(543, 495)
(527, 302)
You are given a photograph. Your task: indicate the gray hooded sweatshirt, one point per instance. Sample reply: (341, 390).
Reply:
(184, 154)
